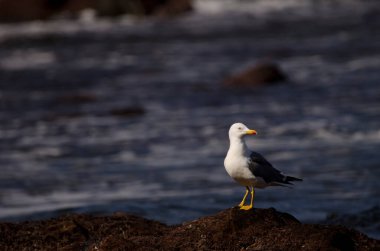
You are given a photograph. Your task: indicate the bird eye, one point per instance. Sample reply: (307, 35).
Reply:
(239, 128)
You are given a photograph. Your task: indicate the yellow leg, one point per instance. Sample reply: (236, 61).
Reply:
(250, 206)
(244, 198)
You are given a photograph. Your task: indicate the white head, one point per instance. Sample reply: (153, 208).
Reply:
(239, 130)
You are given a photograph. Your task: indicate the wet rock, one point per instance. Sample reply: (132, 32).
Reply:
(368, 220)
(143, 7)
(231, 229)
(260, 74)
(25, 10)
(22, 10)
(128, 111)
(174, 8)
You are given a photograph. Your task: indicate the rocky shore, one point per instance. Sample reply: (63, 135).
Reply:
(23, 10)
(230, 229)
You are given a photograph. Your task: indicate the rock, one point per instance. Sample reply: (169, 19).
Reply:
(80, 232)
(26, 10)
(174, 8)
(143, 7)
(263, 229)
(23, 10)
(231, 229)
(368, 220)
(260, 74)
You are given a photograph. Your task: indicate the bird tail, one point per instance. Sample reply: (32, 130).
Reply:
(290, 178)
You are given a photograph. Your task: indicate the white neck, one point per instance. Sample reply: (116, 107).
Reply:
(238, 147)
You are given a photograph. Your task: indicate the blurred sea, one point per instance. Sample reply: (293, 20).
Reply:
(63, 147)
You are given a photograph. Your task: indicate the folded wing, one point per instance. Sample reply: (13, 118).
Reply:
(260, 167)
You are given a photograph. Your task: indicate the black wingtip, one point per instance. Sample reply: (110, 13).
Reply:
(290, 178)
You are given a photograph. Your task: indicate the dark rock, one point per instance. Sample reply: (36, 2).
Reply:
(260, 74)
(368, 220)
(231, 229)
(80, 232)
(143, 7)
(25, 10)
(173, 8)
(128, 111)
(262, 229)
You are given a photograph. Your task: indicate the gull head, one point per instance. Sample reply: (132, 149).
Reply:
(239, 130)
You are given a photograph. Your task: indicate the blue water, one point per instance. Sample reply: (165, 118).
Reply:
(64, 154)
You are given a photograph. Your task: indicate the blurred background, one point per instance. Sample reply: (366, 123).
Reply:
(119, 105)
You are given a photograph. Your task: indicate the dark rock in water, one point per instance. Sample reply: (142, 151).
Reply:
(368, 220)
(231, 229)
(127, 111)
(25, 10)
(174, 7)
(22, 10)
(260, 74)
(143, 7)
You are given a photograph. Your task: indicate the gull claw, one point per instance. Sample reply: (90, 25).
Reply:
(248, 207)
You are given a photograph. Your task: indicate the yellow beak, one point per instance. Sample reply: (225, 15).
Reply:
(251, 132)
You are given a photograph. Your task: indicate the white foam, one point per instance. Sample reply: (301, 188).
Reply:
(292, 8)
(257, 7)
(18, 204)
(27, 59)
(364, 63)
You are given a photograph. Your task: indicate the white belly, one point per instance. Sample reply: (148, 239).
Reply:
(238, 170)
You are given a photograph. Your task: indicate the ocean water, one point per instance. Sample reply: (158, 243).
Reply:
(64, 150)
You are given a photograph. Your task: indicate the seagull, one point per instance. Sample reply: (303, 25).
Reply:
(249, 168)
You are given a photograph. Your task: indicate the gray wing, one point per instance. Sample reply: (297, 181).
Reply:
(260, 167)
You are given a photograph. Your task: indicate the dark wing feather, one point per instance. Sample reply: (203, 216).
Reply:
(260, 167)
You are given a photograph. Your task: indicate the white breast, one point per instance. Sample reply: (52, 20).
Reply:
(237, 168)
